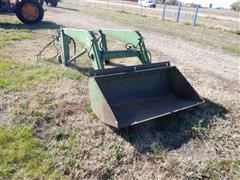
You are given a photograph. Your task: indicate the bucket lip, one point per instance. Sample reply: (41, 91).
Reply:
(136, 71)
(159, 116)
(129, 69)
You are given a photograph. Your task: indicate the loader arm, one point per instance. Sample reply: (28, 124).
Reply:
(87, 38)
(96, 46)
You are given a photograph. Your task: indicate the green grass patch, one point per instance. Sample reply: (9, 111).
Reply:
(22, 156)
(17, 75)
(232, 48)
(7, 37)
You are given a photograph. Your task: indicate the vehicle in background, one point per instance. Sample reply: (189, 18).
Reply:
(53, 3)
(147, 3)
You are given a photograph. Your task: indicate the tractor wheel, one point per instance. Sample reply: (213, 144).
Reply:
(41, 2)
(54, 3)
(29, 12)
(47, 2)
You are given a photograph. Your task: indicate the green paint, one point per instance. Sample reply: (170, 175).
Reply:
(96, 46)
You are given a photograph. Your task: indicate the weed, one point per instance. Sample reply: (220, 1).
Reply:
(198, 129)
(60, 136)
(118, 152)
(22, 156)
(102, 147)
(158, 152)
(89, 111)
(63, 141)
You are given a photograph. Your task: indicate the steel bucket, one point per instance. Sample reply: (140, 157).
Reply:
(121, 97)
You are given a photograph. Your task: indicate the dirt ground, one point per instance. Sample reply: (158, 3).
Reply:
(201, 143)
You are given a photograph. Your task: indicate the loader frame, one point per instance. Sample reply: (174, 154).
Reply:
(97, 47)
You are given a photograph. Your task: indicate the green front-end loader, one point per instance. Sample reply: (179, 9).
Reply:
(124, 96)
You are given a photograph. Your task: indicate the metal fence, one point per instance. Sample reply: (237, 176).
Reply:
(174, 13)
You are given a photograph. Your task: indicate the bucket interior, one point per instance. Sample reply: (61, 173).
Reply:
(135, 97)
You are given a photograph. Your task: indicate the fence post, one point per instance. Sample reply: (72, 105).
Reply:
(210, 9)
(164, 10)
(195, 16)
(178, 12)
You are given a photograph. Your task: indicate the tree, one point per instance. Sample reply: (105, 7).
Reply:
(236, 6)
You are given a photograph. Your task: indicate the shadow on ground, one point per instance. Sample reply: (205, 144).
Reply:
(89, 71)
(70, 9)
(172, 131)
(84, 70)
(42, 25)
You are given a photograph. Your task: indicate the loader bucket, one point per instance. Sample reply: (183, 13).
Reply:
(121, 97)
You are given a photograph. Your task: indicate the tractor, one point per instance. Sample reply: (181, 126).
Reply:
(28, 11)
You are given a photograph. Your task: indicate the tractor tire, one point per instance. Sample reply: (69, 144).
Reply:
(41, 2)
(54, 3)
(47, 1)
(29, 12)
